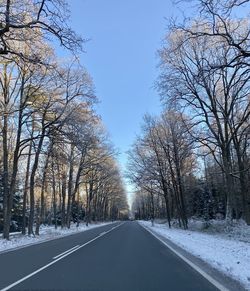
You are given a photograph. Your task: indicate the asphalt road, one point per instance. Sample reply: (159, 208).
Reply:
(120, 256)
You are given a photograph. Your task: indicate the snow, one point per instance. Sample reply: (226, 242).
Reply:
(46, 233)
(224, 247)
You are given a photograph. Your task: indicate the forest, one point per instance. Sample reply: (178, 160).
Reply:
(57, 164)
(193, 159)
(125, 158)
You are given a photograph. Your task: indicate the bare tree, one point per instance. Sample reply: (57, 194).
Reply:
(159, 162)
(24, 21)
(216, 96)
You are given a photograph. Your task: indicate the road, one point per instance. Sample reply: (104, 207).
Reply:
(120, 256)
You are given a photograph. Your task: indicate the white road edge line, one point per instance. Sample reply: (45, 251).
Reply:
(56, 260)
(65, 252)
(191, 264)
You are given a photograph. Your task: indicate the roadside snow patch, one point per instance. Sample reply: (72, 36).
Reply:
(46, 233)
(224, 252)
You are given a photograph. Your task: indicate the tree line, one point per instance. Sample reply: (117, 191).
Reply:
(193, 160)
(57, 164)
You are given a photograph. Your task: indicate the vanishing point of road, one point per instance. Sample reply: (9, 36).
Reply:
(114, 257)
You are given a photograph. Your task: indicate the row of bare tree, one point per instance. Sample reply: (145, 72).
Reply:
(197, 152)
(56, 162)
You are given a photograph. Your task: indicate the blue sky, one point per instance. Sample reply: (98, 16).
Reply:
(121, 57)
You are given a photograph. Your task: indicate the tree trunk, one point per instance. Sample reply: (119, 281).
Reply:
(78, 207)
(64, 184)
(70, 185)
(244, 187)
(42, 212)
(6, 194)
(54, 193)
(25, 193)
(32, 183)
(229, 184)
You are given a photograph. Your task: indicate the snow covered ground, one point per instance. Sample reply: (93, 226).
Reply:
(226, 248)
(46, 233)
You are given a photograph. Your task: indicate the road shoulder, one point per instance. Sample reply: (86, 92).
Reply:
(221, 278)
(19, 242)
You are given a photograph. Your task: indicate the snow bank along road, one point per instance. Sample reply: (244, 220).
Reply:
(227, 252)
(46, 233)
(119, 256)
